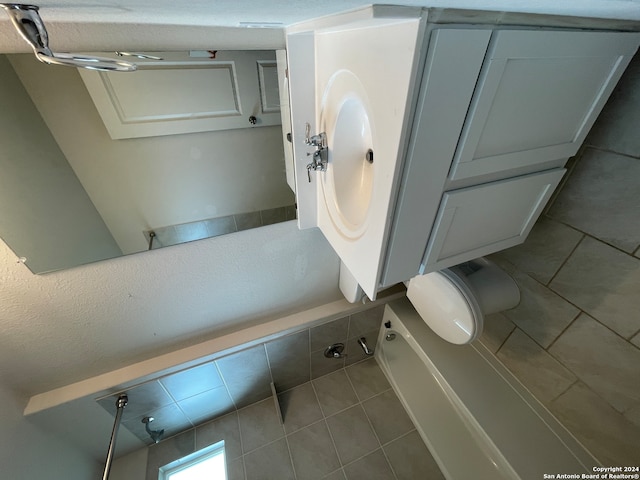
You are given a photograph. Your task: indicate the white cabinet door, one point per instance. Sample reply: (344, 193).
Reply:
(187, 93)
(537, 97)
(484, 219)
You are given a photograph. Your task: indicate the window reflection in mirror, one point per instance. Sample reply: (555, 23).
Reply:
(71, 193)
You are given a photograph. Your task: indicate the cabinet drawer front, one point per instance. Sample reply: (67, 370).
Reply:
(538, 95)
(484, 219)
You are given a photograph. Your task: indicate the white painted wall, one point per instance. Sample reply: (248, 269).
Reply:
(66, 326)
(45, 214)
(144, 183)
(27, 452)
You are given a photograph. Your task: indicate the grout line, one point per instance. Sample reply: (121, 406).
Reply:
(293, 467)
(560, 394)
(580, 312)
(565, 260)
(505, 340)
(602, 149)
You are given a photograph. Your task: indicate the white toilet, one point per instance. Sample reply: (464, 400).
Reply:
(453, 301)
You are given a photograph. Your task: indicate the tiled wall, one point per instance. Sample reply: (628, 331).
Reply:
(574, 340)
(346, 425)
(183, 400)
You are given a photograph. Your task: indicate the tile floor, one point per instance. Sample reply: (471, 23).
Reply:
(347, 425)
(574, 339)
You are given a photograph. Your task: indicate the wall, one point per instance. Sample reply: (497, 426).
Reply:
(133, 182)
(28, 452)
(45, 214)
(574, 340)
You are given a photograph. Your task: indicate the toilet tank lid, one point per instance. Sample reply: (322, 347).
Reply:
(447, 306)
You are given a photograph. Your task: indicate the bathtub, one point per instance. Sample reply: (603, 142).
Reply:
(477, 420)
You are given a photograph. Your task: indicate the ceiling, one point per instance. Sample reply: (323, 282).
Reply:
(89, 25)
(63, 327)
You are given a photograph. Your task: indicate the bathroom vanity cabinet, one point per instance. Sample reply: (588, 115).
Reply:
(495, 114)
(515, 104)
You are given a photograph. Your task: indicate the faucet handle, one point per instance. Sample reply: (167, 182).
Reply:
(307, 133)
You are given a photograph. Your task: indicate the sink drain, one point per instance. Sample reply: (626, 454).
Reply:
(369, 156)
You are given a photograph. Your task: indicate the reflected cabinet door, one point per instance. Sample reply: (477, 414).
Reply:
(188, 92)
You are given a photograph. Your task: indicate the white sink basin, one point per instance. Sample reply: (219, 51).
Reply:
(364, 79)
(348, 182)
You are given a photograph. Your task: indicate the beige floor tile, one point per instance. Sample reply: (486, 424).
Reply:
(601, 359)
(633, 415)
(604, 432)
(542, 314)
(496, 329)
(534, 367)
(604, 282)
(549, 244)
(600, 198)
(617, 126)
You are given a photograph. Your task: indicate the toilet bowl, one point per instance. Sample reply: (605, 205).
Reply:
(454, 301)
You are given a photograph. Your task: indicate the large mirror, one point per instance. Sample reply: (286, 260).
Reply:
(101, 165)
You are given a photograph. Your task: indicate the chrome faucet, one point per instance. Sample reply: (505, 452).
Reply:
(320, 157)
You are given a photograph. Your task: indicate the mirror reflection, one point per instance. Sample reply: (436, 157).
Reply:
(100, 165)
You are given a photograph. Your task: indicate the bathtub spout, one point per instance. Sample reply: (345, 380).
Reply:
(362, 341)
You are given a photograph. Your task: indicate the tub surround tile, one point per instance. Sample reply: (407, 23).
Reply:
(246, 375)
(245, 221)
(352, 434)
(543, 375)
(547, 247)
(269, 462)
(363, 322)
(410, 459)
(289, 360)
(299, 407)
(355, 353)
(143, 399)
(542, 314)
(602, 360)
(273, 215)
(220, 226)
(617, 126)
(372, 467)
(600, 198)
(329, 333)
(387, 426)
(168, 418)
(335, 392)
(611, 438)
(193, 381)
(604, 282)
(224, 428)
(367, 379)
(235, 469)
(259, 425)
(312, 452)
(207, 405)
(496, 329)
(321, 365)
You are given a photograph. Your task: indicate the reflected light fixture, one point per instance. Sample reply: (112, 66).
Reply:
(29, 24)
